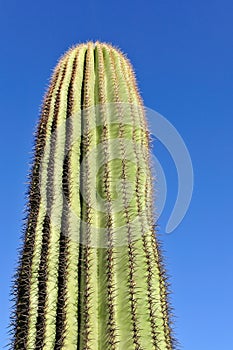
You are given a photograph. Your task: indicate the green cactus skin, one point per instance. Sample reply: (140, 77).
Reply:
(72, 291)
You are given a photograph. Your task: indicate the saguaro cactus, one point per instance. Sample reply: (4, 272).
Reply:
(90, 274)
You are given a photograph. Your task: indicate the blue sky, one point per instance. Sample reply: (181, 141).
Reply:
(182, 53)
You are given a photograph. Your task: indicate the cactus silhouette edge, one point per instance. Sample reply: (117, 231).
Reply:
(78, 285)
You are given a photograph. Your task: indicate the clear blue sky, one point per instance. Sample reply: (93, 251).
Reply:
(182, 53)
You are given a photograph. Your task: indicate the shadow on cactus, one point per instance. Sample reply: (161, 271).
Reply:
(90, 272)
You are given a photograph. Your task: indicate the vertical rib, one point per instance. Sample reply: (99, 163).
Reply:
(157, 302)
(108, 337)
(89, 287)
(138, 117)
(71, 206)
(45, 188)
(41, 229)
(118, 97)
(64, 334)
(22, 280)
(55, 196)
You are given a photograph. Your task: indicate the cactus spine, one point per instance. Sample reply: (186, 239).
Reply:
(78, 285)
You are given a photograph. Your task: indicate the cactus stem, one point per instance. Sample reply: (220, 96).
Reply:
(91, 274)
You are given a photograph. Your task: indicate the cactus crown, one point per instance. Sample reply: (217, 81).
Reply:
(90, 274)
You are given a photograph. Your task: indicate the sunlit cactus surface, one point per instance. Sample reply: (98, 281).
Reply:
(90, 273)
